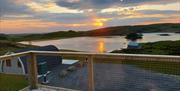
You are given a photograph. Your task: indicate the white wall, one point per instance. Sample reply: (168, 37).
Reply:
(13, 69)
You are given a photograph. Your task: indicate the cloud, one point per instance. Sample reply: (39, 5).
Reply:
(165, 12)
(141, 20)
(12, 7)
(101, 4)
(27, 25)
(62, 17)
(54, 15)
(50, 7)
(173, 20)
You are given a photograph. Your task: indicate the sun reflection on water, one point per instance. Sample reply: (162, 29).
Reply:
(101, 46)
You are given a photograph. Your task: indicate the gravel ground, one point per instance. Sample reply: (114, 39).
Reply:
(115, 77)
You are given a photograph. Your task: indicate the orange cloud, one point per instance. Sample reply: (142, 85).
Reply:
(21, 24)
(168, 20)
(174, 20)
(146, 16)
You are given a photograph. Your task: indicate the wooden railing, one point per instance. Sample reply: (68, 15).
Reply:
(32, 70)
(48, 88)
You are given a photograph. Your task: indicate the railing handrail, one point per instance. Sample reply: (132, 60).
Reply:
(32, 68)
(95, 55)
(108, 54)
(14, 55)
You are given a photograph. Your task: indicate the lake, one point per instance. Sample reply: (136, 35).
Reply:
(111, 76)
(102, 44)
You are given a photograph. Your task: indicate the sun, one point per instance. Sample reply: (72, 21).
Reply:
(98, 24)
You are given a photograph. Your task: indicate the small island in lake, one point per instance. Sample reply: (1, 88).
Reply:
(164, 34)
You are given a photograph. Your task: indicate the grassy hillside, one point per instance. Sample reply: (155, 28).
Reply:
(161, 48)
(110, 31)
(6, 46)
(53, 35)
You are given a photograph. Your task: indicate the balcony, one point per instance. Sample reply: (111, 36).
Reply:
(92, 60)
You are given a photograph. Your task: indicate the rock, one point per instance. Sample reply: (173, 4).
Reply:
(71, 68)
(63, 73)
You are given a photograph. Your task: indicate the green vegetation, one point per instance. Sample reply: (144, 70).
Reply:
(157, 66)
(159, 48)
(45, 36)
(3, 37)
(134, 36)
(124, 30)
(6, 46)
(109, 31)
(12, 82)
(16, 82)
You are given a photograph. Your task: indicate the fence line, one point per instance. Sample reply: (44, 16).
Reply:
(142, 57)
(90, 56)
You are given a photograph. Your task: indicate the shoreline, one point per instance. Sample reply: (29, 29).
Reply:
(56, 38)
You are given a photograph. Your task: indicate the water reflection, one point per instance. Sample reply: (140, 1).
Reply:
(101, 46)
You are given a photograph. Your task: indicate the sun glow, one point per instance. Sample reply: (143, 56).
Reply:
(98, 24)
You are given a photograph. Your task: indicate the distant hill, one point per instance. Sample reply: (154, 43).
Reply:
(123, 30)
(109, 31)
(3, 37)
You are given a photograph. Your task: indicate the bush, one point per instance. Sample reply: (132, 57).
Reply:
(3, 37)
(134, 36)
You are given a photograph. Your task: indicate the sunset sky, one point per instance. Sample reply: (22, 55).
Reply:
(39, 16)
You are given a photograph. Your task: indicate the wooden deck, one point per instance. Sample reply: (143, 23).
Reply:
(89, 57)
(48, 88)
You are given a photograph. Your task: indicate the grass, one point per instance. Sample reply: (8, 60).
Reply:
(12, 82)
(155, 48)
(8, 46)
(172, 68)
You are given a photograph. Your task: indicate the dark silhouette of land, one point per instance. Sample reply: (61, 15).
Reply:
(109, 31)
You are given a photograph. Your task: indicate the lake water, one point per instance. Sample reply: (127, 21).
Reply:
(102, 44)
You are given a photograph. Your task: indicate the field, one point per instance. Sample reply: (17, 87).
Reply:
(155, 48)
(12, 82)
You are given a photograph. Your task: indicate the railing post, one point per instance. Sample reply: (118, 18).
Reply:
(32, 71)
(90, 73)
